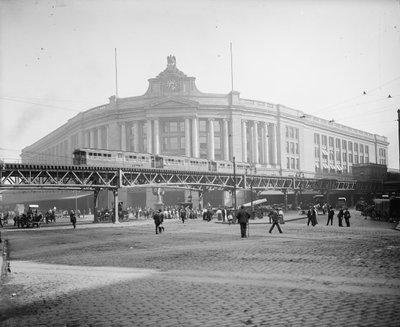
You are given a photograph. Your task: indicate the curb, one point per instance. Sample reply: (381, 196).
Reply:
(4, 259)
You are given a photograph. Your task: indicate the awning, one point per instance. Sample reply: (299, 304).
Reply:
(325, 152)
(338, 167)
(325, 165)
(255, 202)
(78, 196)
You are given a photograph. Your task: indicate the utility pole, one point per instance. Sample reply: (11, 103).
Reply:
(398, 121)
(234, 183)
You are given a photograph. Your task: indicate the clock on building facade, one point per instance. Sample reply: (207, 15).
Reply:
(172, 85)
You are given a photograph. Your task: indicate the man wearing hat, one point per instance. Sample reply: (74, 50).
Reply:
(242, 217)
(275, 220)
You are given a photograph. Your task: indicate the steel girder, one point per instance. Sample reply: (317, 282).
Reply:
(23, 176)
(18, 176)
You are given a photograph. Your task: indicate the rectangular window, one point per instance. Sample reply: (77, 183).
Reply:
(173, 127)
(331, 141)
(356, 159)
(350, 158)
(202, 126)
(355, 147)
(217, 126)
(173, 143)
(316, 139)
(350, 146)
(361, 148)
(287, 147)
(292, 163)
(366, 150)
(324, 139)
(331, 155)
(344, 145)
(296, 133)
(288, 163)
(297, 148)
(291, 131)
(287, 132)
(338, 143)
(297, 164)
(291, 147)
(217, 143)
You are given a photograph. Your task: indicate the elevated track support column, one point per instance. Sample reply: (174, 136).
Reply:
(116, 217)
(95, 205)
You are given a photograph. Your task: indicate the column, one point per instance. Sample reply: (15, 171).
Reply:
(106, 131)
(272, 145)
(244, 141)
(149, 136)
(135, 133)
(255, 143)
(263, 154)
(156, 136)
(123, 136)
(91, 138)
(275, 144)
(81, 139)
(113, 136)
(195, 138)
(87, 139)
(187, 137)
(211, 152)
(116, 218)
(99, 135)
(226, 139)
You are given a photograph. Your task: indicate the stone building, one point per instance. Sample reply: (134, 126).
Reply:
(174, 118)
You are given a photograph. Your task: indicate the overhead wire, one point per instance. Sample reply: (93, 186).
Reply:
(40, 104)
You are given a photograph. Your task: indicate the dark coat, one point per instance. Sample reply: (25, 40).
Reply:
(242, 216)
(158, 218)
(274, 216)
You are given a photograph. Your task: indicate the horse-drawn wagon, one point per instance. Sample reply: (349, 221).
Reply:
(29, 219)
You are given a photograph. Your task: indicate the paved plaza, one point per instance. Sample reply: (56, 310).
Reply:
(202, 274)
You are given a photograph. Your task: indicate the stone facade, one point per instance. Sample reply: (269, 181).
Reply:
(174, 118)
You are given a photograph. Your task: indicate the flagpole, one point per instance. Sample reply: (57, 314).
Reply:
(116, 73)
(231, 69)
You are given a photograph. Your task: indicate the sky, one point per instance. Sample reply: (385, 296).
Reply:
(57, 58)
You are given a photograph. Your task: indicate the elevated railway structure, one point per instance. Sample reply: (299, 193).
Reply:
(59, 177)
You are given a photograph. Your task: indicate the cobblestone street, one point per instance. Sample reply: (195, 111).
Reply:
(203, 274)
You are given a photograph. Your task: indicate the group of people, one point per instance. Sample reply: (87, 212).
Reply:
(242, 216)
(343, 214)
(275, 215)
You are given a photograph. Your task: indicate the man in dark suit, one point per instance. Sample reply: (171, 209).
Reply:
(275, 221)
(158, 220)
(243, 218)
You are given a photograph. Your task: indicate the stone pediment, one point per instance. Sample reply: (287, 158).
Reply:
(173, 102)
(172, 82)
